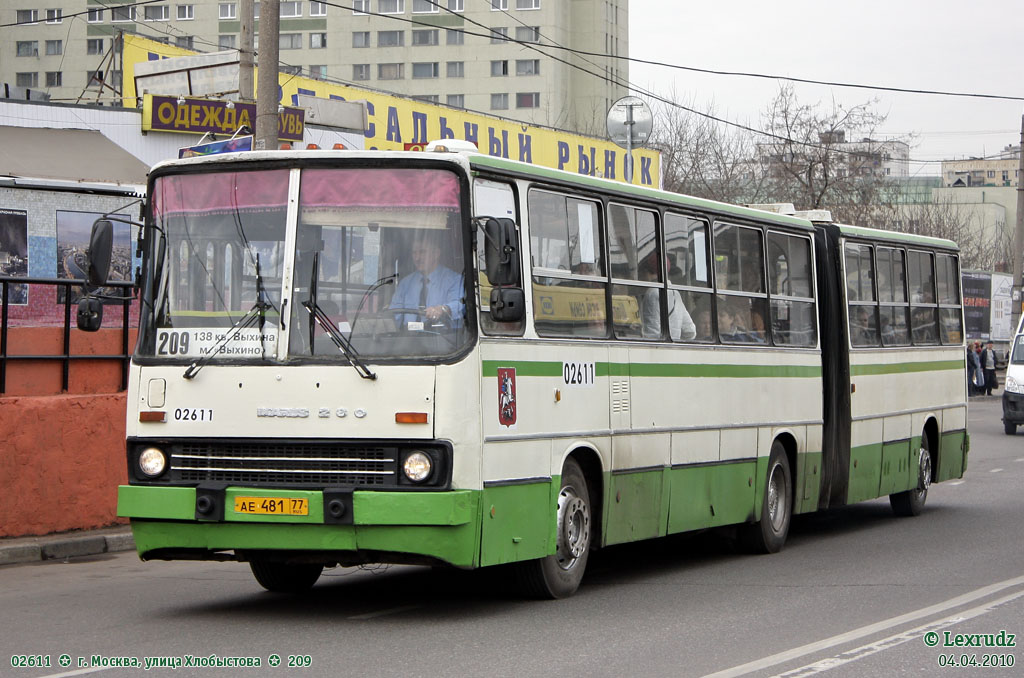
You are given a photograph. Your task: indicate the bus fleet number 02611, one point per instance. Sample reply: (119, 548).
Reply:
(578, 374)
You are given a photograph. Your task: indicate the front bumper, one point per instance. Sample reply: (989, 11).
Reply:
(409, 526)
(1013, 408)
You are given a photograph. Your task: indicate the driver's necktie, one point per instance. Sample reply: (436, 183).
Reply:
(423, 292)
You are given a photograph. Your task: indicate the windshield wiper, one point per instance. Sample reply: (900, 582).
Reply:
(324, 321)
(343, 344)
(256, 314)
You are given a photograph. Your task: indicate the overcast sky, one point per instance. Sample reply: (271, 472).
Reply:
(914, 44)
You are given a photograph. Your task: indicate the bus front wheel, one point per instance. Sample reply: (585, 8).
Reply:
(769, 534)
(285, 577)
(560, 574)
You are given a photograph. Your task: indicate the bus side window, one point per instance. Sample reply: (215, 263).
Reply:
(739, 255)
(792, 293)
(688, 262)
(923, 311)
(948, 277)
(492, 199)
(636, 267)
(568, 276)
(862, 308)
(892, 296)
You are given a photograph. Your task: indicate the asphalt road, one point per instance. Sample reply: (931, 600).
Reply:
(854, 593)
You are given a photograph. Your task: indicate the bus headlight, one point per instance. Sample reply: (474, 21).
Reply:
(417, 466)
(152, 462)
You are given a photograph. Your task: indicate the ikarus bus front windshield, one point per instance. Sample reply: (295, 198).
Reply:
(363, 264)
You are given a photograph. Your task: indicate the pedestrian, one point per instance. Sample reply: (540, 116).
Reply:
(973, 369)
(988, 365)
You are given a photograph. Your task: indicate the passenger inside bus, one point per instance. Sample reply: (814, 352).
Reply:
(435, 290)
(734, 316)
(680, 324)
(703, 325)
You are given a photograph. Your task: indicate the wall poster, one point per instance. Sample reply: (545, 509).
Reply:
(73, 230)
(14, 252)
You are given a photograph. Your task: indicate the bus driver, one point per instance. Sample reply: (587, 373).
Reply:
(432, 288)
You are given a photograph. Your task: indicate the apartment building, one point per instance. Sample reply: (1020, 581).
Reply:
(529, 60)
(975, 172)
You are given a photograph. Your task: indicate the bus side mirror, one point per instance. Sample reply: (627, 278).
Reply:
(90, 314)
(508, 304)
(89, 317)
(100, 250)
(501, 252)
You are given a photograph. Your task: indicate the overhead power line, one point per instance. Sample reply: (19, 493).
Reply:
(766, 76)
(551, 45)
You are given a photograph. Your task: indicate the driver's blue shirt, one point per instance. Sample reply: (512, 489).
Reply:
(444, 288)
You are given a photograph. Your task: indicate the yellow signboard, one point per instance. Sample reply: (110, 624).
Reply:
(394, 122)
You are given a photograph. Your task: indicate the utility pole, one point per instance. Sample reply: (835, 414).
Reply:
(267, 97)
(1018, 233)
(245, 51)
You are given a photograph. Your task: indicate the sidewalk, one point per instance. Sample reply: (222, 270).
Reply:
(66, 545)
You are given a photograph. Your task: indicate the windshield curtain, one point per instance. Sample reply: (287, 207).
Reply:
(215, 231)
(379, 257)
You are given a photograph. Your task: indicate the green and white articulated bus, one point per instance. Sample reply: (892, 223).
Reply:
(353, 357)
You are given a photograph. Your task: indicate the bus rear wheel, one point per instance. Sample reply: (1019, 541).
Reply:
(560, 574)
(285, 577)
(768, 535)
(911, 502)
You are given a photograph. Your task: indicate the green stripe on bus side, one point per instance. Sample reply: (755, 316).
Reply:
(904, 368)
(731, 371)
(525, 368)
(603, 369)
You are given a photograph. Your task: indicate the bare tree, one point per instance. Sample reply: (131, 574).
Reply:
(807, 156)
(705, 158)
(816, 157)
(982, 247)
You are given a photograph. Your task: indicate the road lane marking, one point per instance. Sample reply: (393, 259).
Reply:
(864, 631)
(898, 639)
(381, 613)
(996, 470)
(957, 482)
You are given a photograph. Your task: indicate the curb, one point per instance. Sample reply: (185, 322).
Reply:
(64, 546)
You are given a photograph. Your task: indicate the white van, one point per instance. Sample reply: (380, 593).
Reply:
(1013, 389)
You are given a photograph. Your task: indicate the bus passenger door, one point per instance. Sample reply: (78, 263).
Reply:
(636, 487)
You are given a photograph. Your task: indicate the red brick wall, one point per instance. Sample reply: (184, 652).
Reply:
(61, 460)
(43, 377)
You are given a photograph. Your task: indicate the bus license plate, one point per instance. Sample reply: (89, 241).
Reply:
(272, 506)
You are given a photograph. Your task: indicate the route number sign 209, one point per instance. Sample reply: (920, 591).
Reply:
(200, 341)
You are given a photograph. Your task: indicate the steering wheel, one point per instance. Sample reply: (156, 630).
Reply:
(445, 318)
